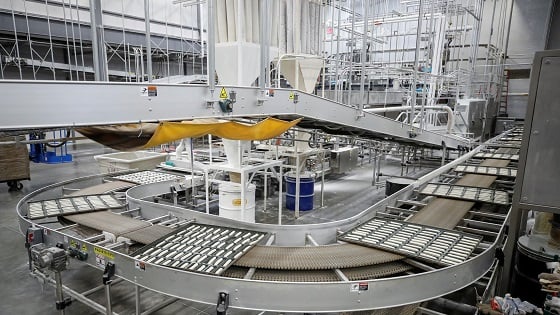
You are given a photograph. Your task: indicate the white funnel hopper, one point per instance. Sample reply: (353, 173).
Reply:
(234, 151)
(301, 71)
(302, 145)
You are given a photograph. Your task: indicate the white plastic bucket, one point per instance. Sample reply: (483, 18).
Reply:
(230, 202)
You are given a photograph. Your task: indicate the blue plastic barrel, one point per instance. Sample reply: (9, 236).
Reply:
(306, 192)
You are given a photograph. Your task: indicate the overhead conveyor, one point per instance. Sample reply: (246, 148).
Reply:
(80, 104)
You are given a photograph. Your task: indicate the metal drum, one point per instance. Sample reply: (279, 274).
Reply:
(306, 191)
(230, 202)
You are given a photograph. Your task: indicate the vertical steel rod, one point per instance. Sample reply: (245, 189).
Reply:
(416, 63)
(148, 39)
(363, 59)
(59, 295)
(137, 299)
(108, 308)
(211, 43)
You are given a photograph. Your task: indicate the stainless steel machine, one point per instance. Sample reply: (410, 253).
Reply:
(537, 180)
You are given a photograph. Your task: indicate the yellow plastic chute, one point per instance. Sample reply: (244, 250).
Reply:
(154, 135)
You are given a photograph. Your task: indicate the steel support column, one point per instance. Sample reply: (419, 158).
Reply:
(98, 41)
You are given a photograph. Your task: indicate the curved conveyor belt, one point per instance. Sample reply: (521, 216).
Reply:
(306, 265)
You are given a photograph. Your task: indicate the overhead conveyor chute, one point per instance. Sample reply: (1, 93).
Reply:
(126, 103)
(140, 136)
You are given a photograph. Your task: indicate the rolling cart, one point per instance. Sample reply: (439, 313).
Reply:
(14, 163)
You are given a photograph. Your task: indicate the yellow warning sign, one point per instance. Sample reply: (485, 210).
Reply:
(292, 95)
(103, 252)
(84, 247)
(223, 94)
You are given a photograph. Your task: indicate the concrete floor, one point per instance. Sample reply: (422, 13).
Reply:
(22, 294)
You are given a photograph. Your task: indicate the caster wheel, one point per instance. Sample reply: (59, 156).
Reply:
(14, 185)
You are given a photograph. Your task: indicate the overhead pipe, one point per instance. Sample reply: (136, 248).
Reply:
(450, 114)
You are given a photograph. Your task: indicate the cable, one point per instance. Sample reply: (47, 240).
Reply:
(58, 145)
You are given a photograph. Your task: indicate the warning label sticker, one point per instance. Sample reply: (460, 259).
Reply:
(223, 94)
(149, 91)
(361, 286)
(140, 265)
(99, 260)
(103, 252)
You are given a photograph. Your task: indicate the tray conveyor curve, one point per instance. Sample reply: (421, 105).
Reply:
(259, 292)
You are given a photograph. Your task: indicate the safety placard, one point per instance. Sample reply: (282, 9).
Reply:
(361, 286)
(140, 265)
(103, 252)
(149, 90)
(223, 94)
(100, 260)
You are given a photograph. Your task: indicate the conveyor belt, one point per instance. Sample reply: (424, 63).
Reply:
(314, 257)
(295, 275)
(148, 234)
(108, 221)
(447, 213)
(70, 205)
(501, 144)
(114, 106)
(468, 193)
(200, 248)
(103, 188)
(376, 271)
(413, 240)
(148, 177)
(486, 170)
(358, 273)
(498, 156)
